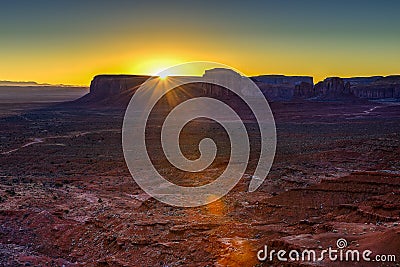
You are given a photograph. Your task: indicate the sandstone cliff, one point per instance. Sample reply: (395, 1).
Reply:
(282, 79)
(110, 90)
(304, 90)
(284, 88)
(361, 80)
(375, 87)
(116, 90)
(332, 88)
(381, 88)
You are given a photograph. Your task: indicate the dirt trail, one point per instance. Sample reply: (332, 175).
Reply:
(37, 140)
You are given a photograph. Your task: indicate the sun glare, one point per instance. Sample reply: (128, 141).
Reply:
(163, 76)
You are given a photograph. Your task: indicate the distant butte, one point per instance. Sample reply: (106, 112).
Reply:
(116, 90)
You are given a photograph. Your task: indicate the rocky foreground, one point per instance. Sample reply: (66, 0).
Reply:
(67, 198)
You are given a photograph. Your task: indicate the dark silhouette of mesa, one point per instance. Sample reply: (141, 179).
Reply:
(117, 90)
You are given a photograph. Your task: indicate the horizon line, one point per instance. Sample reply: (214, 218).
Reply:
(25, 83)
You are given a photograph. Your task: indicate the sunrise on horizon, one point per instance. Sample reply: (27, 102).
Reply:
(70, 42)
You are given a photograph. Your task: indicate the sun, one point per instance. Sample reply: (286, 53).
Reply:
(156, 66)
(163, 76)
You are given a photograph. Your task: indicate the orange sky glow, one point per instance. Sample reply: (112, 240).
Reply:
(63, 43)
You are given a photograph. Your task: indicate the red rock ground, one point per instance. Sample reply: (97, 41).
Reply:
(66, 196)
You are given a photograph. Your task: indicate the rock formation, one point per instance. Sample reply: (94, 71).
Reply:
(110, 90)
(381, 88)
(361, 80)
(332, 88)
(229, 77)
(284, 88)
(282, 79)
(277, 92)
(116, 90)
(274, 87)
(304, 90)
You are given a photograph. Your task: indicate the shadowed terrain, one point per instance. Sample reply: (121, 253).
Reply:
(67, 196)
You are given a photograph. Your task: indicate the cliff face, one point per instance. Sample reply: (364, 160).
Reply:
(332, 88)
(277, 92)
(361, 80)
(229, 77)
(304, 90)
(110, 85)
(284, 88)
(376, 87)
(110, 90)
(274, 87)
(116, 90)
(381, 88)
(282, 79)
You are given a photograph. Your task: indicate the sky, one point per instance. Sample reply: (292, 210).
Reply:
(69, 42)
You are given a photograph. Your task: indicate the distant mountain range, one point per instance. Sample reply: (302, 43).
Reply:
(33, 92)
(32, 83)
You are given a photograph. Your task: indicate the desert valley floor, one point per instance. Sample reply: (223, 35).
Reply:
(67, 198)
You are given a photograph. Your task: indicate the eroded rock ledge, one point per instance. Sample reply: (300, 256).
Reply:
(118, 89)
